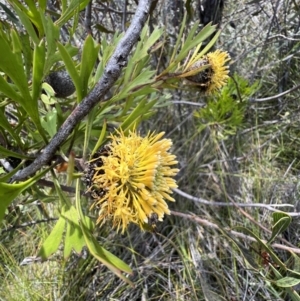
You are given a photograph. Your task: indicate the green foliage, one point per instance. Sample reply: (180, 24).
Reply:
(280, 274)
(39, 50)
(8, 192)
(224, 114)
(29, 58)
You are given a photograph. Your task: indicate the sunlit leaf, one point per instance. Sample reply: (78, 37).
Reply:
(287, 282)
(74, 239)
(68, 12)
(115, 264)
(88, 59)
(49, 123)
(53, 241)
(8, 192)
(26, 22)
(38, 69)
(281, 221)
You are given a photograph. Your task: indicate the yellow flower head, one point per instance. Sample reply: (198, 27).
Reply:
(215, 76)
(130, 179)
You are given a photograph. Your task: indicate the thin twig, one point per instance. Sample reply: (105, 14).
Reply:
(185, 102)
(109, 77)
(276, 96)
(211, 203)
(209, 224)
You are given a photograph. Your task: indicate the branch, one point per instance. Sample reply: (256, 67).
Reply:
(109, 77)
(226, 204)
(211, 225)
(276, 96)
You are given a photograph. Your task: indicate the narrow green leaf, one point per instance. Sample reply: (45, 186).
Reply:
(70, 66)
(27, 54)
(111, 261)
(16, 43)
(10, 15)
(104, 29)
(287, 282)
(4, 152)
(43, 5)
(281, 221)
(100, 140)
(138, 113)
(54, 239)
(68, 12)
(35, 16)
(179, 38)
(89, 55)
(74, 239)
(26, 22)
(189, 44)
(8, 192)
(264, 246)
(210, 44)
(11, 64)
(6, 125)
(7, 89)
(49, 123)
(38, 70)
(52, 36)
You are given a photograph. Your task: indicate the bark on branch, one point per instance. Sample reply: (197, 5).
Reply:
(110, 75)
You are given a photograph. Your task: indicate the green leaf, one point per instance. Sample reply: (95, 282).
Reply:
(70, 66)
(26, 22)
(143, 107)
(210, 44)
(52, 36)
(74, 239)
(8, 153)
(35, 16)
(27, 53)
(38, 70)
(88, 59)
(10, 15)
(115, 264)
(8, 192)
(107, 49)
(264, 246)
(43, 5)
(190, 42)
(6, 125)
(49, 123)
(102, 28)
(287, 282)
(144, 78)
(16, 43)
(142, 46)
(12, 65)
(69, 12)
(281, 221)
(100, 140)
(8, 90)
(53, 241)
